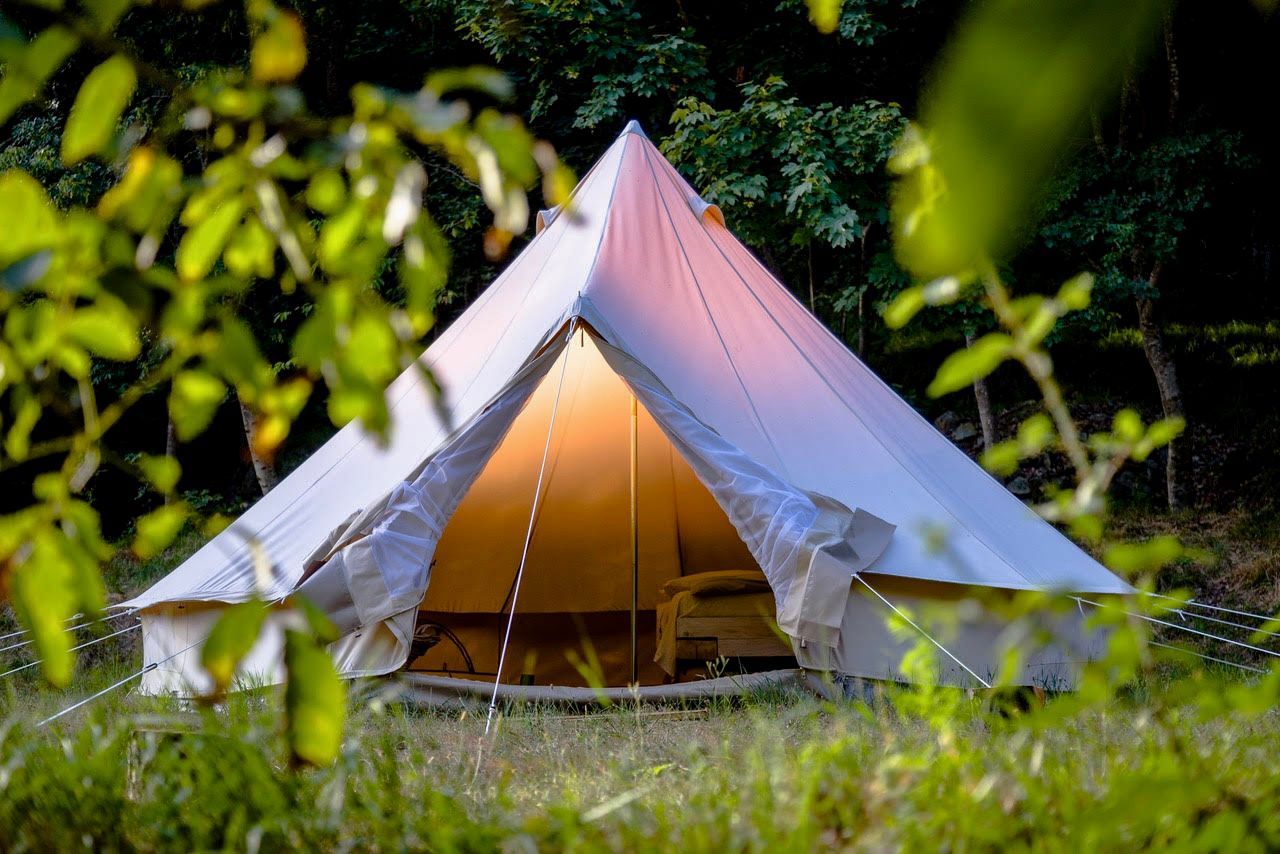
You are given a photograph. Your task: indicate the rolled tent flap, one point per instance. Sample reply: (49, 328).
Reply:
(809, 546)
(383, 554)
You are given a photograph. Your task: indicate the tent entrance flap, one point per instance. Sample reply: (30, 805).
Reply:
(580, 555)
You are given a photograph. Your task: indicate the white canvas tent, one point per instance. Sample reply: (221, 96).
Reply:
(760, 438)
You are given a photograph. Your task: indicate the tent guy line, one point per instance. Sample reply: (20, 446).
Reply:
(73, 649)
(1168, 624)
(1192, 603)
(528, 537)
(84, 625)
(126, 680)
(1207, 657)
(931, 638)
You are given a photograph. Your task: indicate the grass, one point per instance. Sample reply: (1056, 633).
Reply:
(1169, 756)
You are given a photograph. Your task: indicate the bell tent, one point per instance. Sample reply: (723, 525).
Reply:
(635, 411)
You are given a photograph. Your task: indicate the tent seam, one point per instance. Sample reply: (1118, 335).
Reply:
(764, 431)
(999, 555)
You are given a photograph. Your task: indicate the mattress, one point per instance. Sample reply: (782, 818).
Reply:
(725, 599)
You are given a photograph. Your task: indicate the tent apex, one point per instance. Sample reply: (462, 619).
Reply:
(633, 126)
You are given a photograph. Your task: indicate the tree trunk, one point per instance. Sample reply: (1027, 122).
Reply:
(813, 303)
(1166, 372)
(170, 447)
(986, 418)
(262, 468)
(1171, 59)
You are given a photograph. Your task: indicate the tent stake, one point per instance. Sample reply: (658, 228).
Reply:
(635, 535)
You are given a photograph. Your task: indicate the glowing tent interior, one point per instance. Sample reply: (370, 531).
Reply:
(759, 443)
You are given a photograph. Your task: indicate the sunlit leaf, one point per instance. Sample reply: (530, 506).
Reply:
(963, 367)
(280, 51)
(230, 640)
(1017, 81)
(157, 529)
(1133, 558)
(27, 219)
(17, 442)
(905, 306)
(25, 72)
(315, 701)
(44, 592)
(202, 244)
(97, 109)
(327, 191)
(111, 334)
(195, 397)
(107, 12)
(148, 195)
(251, 251)
(1074, 293)
(317, 621)
(161, 472)
(825, 14)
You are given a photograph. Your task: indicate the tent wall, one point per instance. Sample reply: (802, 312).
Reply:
(1052, 644)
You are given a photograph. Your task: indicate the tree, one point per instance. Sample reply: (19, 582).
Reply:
(231, 185)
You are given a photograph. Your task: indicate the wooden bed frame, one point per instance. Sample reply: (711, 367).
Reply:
(705, 639)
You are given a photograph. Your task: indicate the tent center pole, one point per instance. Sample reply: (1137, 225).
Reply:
(635, 535)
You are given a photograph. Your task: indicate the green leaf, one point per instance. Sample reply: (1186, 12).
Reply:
(251, 251)
(825, 14)
(478, 78)
(1074, 293)
(280, 51)
(905, 306)
(25, 72)
(339, 234)
(1127, 426)
(1015, 84)
(230, 640)
(148, 195)
(966, 366)
(315, 701)
(1001, 458)
(239, 360)
(319, 623)
(27, 412)
(44, 593)
(327, 192)
(97, 109)
(1133, 558)
(161, 472)
(27, 219)
(195, 397)
(157, 529)
(111, 334)
(203, 243)
(107, 12)
(423, 269)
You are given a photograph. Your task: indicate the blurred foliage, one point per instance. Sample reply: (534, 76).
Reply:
(226, 182)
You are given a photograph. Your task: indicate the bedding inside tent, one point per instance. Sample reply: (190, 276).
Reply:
(575, 594)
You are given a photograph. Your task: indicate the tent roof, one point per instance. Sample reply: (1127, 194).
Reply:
(657, 274)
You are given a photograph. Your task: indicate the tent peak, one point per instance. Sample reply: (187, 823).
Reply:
(633, 126)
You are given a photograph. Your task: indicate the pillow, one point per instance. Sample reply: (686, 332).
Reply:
(712, 583)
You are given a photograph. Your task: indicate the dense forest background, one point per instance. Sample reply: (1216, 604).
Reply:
(1167, 198)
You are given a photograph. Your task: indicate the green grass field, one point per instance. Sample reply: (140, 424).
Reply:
(1176, 756)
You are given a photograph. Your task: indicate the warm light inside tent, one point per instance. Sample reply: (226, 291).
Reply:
(577, 579)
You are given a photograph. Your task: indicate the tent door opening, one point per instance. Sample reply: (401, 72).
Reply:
(621, 516)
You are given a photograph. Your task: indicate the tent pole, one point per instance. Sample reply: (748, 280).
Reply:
(635, 535)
